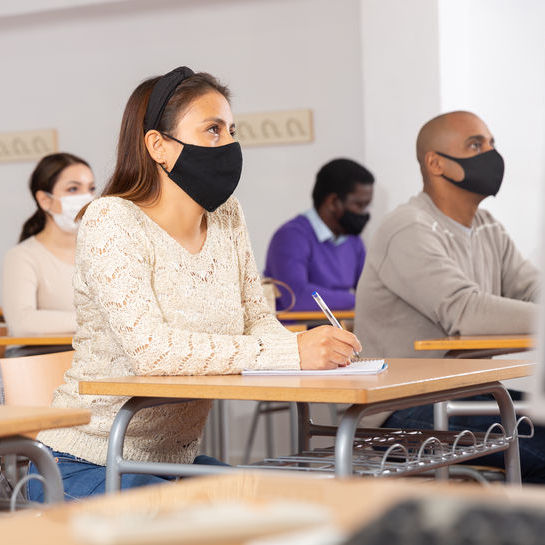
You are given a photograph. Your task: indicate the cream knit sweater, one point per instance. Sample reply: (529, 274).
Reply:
(146, 306)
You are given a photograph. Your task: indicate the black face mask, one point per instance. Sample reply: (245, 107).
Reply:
(353, 223)
(483, 173)
(208, 175)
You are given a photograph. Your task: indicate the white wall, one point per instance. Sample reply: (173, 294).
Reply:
(400, 73)
(493, 63)
(74, 70)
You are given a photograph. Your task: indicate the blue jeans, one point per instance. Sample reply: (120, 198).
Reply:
(82, 478)
(532, 451)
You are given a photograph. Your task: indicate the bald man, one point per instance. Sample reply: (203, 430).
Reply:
(439, 265)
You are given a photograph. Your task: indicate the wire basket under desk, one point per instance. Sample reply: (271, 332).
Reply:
(398, 453)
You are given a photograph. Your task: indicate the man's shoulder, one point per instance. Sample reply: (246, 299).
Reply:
(299, 225)
(411, 214)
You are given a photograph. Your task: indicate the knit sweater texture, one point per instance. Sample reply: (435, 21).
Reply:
(147, 306)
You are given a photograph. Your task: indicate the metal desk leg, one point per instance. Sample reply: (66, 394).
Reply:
(509, 422)
(41, 457)
(440, 420)
(345, 440)
(114, 459)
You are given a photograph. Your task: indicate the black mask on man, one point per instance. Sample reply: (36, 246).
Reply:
(209, 175)
(483, 173)
(353, 223)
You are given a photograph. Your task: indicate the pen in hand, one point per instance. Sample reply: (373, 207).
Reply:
(327, 311)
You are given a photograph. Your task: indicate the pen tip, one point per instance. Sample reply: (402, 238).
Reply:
(314, 293)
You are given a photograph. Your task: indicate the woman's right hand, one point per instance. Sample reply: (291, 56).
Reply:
(326, 347)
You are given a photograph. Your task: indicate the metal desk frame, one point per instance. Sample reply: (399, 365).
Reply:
(37, 453)
(344, 434)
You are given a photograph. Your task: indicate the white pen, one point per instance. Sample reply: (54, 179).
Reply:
(326, 310)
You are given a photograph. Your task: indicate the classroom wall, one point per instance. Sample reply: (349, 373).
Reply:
(493, 63)
(400, 80)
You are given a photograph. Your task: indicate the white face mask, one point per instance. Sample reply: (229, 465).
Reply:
(71, 206)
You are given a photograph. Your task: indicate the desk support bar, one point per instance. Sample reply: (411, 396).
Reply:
(347, 428)
(39, 454)
(116, 465)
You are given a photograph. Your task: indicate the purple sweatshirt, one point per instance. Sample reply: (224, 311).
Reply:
(299, 259)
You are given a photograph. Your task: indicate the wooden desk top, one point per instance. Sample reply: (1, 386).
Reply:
(403, 378)
(478, 342)
(318, 315)
(351, 502)
(65, 338)
(24, 420)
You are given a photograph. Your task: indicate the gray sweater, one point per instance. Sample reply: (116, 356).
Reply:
(427, 276)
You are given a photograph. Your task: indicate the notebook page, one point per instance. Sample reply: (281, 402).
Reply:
(359, 367)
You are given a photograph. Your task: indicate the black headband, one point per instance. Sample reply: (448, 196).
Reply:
(161, 93)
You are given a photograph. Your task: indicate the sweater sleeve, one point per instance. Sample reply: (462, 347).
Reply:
(20, 288)
(258, 317)
(417, 268)
(115, 263)
(288, 260)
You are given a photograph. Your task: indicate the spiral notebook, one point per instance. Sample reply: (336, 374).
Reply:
(359, 367)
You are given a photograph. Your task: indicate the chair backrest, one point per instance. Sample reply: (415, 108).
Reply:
(32, 380)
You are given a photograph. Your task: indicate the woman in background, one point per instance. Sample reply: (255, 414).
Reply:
(37, 281)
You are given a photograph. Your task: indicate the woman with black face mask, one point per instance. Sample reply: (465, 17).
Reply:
(166, 283)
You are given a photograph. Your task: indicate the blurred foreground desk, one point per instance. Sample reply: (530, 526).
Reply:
(15, 422)
(406, 383)
(349, 503)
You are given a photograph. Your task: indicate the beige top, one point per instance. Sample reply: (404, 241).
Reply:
(37, 294)
(427, 276)
(146, 306)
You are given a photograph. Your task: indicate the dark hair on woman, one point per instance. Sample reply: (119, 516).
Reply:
(43, 178)
(136, 176)
(339, 176)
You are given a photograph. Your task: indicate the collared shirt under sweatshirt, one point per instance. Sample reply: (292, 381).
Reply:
(427, 276)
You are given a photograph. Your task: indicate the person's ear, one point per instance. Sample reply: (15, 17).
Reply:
(329, 201)
(434, 163)
(334, 205)
(155, 144)
(44, 200)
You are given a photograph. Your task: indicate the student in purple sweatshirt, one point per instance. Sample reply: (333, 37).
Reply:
(321, 249)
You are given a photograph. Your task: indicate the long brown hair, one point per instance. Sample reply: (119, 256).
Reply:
(136, 175)
(43, 178)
